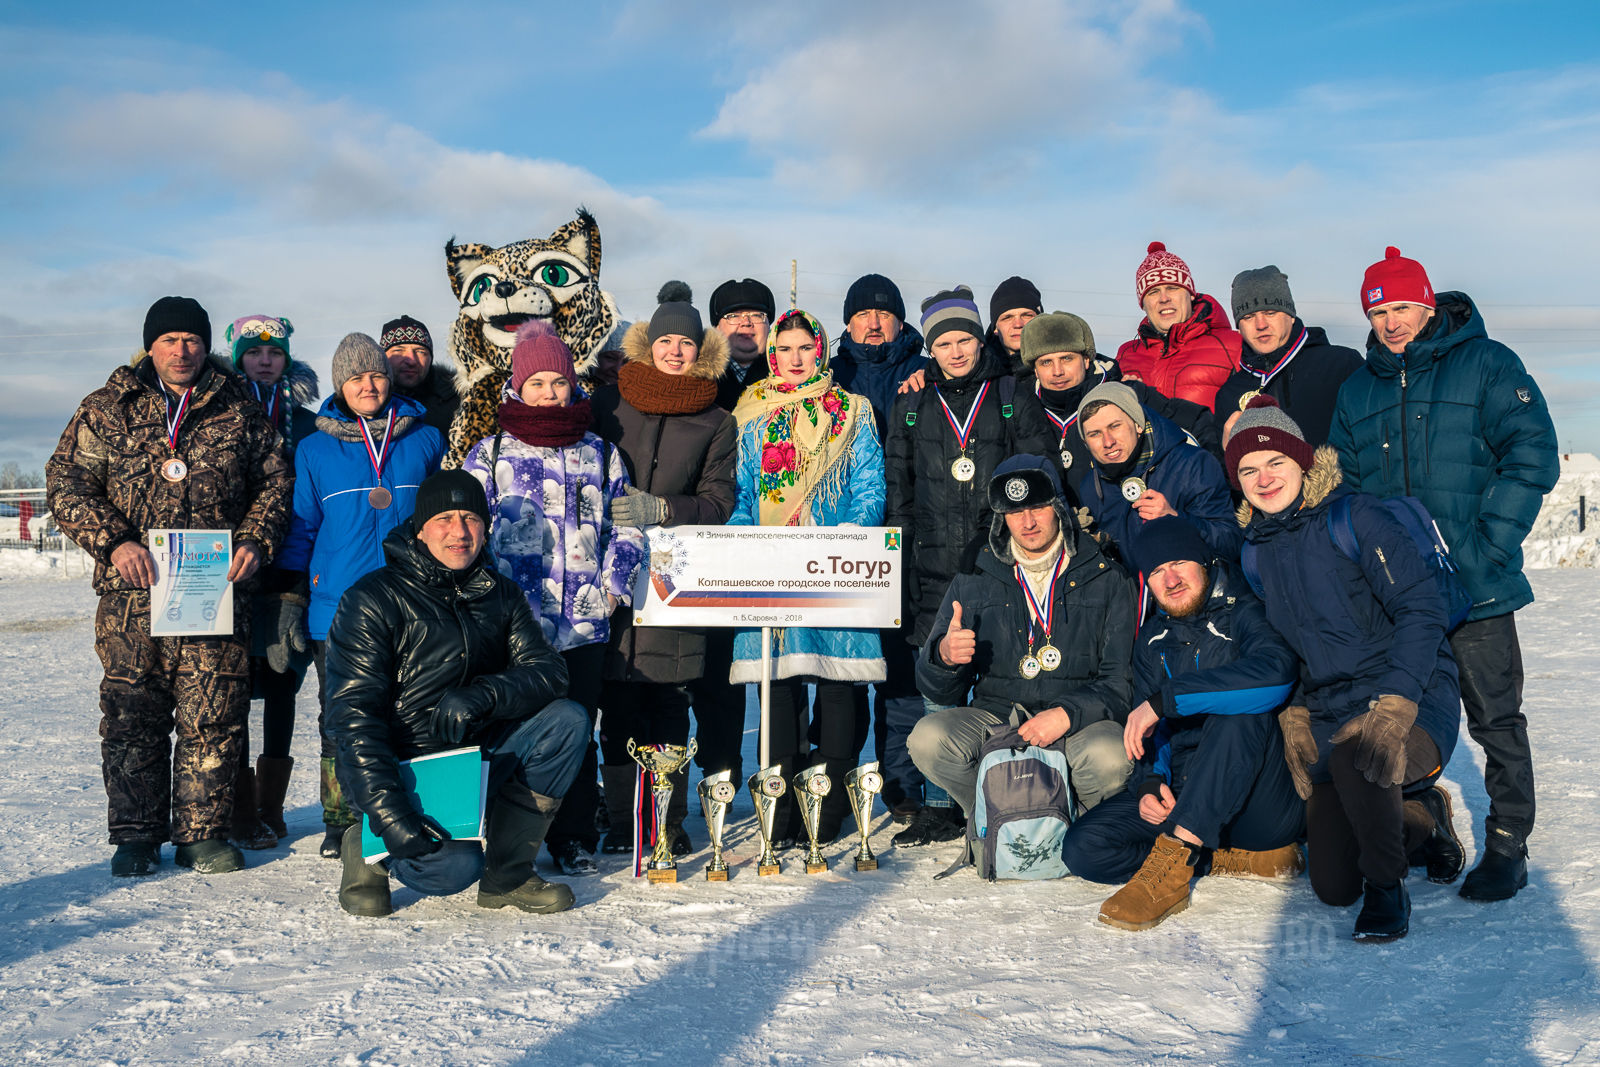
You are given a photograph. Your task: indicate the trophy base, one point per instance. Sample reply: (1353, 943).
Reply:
(716, 876)
(668, 876)
(769, 868)
(819, 867)
(866, 865)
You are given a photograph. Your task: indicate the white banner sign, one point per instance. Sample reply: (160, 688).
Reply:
(829, 576)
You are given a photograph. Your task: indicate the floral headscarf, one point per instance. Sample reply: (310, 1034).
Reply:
(806, 433)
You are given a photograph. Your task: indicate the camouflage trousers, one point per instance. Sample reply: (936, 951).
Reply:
(157, 790)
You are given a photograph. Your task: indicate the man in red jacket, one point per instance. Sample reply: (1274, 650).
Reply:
(1185, 348)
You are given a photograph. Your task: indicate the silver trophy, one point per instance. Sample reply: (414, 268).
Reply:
(766, 786)
(716, 793)
(662, 764)
(810, 786)
(862, 785)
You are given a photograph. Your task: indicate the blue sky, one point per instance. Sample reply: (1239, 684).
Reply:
(311, 159)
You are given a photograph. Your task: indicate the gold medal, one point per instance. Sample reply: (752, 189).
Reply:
(1244, 401)
(1049, 657)
(1133, 489)
(1029, 666)
(174, 469)
(380, 498)
(963, 469)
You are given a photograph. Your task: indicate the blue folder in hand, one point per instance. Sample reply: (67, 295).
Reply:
(451, 787)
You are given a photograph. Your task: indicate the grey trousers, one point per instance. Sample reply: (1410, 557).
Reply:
(945, 747)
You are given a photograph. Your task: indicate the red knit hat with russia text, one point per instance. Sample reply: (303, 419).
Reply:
(1395, 280)
(1161, 267)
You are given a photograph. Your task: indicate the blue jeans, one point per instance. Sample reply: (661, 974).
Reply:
(933, 795)
(542, 753)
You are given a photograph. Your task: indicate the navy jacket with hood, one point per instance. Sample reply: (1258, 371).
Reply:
(1457, 422)
(877, 371)
(1363, 629)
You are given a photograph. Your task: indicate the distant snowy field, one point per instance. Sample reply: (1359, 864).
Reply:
(844, 968)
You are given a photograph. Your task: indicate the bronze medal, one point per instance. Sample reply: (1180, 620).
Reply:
(380, 498)
(174, 469)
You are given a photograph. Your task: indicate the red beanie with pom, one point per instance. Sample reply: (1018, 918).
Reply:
(538, 349)
(1395, 280)
(1161, 267)
(1265, 427)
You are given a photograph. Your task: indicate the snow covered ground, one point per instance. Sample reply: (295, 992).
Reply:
(844, 968)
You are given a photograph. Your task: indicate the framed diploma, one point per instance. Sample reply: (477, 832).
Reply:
(192, 596)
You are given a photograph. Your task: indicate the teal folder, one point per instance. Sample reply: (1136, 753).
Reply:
(453, 787)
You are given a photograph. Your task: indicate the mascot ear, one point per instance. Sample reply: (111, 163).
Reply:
(581, 237)
(461, 260)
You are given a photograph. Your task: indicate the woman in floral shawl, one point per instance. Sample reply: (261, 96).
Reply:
(809, 455)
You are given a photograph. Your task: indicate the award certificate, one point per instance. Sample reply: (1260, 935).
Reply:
(192, 596)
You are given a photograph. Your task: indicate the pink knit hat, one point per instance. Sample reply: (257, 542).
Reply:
(1161, 267)
(538, 349)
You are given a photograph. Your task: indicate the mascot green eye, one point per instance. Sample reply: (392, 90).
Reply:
(484, 283)
(556, 274)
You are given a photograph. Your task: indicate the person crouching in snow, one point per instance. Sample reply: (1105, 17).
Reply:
(1380, 697)
(809, 456)
(1211, 673)
(436, 650)
(550, 484)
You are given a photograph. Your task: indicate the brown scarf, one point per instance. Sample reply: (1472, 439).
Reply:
(655, 393)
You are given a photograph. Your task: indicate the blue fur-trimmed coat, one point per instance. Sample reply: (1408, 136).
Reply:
(845, 655)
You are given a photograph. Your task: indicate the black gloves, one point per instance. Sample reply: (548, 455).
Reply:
(459, 710)
(288, 633)
(414, 835)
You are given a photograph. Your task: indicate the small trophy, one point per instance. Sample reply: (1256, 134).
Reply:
(766, 786)
(716, 793)
(810, 786)
(662, 763)
(862, 784)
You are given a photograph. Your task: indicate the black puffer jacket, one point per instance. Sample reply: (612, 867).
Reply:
(1095, 620)
(938, 515)
(1307, 388)
(405, 635)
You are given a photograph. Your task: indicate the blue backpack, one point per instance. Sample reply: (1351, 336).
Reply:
(1024, 806)
(1410, 513)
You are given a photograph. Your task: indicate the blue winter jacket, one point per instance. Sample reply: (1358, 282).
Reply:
(1363, 629)
(877, 371)
(1187, 475)
(333, 476)
(1457, 422)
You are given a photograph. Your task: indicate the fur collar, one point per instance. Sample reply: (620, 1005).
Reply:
(1323, 477)
(708, 365)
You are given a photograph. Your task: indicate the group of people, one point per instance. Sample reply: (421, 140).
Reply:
(1182, 566)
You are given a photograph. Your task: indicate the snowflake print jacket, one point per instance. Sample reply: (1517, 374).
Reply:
(552, 532)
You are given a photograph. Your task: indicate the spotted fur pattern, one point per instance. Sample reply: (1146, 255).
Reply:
(556, 279)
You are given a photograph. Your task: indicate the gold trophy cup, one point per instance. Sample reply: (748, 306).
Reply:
(716, 793)
(662, 763)
(862, 785)
(811, 785)
(766, 786)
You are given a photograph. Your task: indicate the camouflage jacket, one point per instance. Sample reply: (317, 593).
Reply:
(104, 481)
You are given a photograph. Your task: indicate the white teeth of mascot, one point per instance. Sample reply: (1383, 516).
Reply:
(554, 279)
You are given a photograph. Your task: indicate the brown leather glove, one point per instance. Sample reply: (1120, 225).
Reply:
(1383, 730)
(1299, 747)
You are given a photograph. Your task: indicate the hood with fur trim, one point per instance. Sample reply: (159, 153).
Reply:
(1324, 475)
(709, 364)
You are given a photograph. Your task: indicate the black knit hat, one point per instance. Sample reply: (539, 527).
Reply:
(874, 291)
(1013, 293)
(1169, 539)
(676, 316)
(404, 331)
(177, 314)
(1023, 481)
(453, 490)
(748, 295)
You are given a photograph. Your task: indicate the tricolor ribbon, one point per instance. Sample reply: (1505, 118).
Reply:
(1062, 424)
(963, 430)
(1294, 350)
(175, 414)
(270, 402)
(378, 454)
(1043, 618)
(644, 816)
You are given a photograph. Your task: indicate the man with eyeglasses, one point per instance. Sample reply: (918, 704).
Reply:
(743, 313)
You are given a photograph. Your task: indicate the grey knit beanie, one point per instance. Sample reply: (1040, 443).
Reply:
(1059, 331)
(1265, 427)
(1265, 289)
(357, 354)
(1120, 395)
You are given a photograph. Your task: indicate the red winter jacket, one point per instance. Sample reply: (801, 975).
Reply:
(1192, 361)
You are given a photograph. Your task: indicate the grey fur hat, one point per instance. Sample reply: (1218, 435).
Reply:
(1059, 331)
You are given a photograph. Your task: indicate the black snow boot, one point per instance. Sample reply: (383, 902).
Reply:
(931, 826)
(617, 779)
(363, 886)
(836, 805)
(1502, 871)
(1385, 913)
(677, 811)
(209, 857)
(135, 859)
(1441, 851)
(518, 820)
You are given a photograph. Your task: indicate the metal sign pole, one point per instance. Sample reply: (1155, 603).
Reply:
(766, 695)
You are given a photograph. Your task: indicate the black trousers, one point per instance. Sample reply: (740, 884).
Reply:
(1489, 658)
(277, 691)
(651, 713)
(319, 656)
(575, 818)
(719, 710)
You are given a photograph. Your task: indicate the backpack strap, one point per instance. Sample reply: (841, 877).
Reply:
(1008, 393)
(916, 406)
(1342, 529)
(494, 486)
(1252, 571)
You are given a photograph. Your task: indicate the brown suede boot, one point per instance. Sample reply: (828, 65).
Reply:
(248, 830)
(272, 785)
(1159, 889)
(1277, 865)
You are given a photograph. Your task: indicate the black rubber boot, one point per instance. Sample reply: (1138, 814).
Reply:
(1502, 871)
(247, 830)
(363, 886)
(136, 859)
(272, 785)
(518, 821)
(677, 811)
(209, 857)
(618, 781)
(1441, 851)
(1385, 913)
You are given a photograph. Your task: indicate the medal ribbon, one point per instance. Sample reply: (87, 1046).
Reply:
(1044, 618)
(1294, 350)
(271, 401)
(376, 454)
(964, 430)
(1071, 420)
(175, 414)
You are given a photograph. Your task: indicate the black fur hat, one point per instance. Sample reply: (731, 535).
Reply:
(1021, 482)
